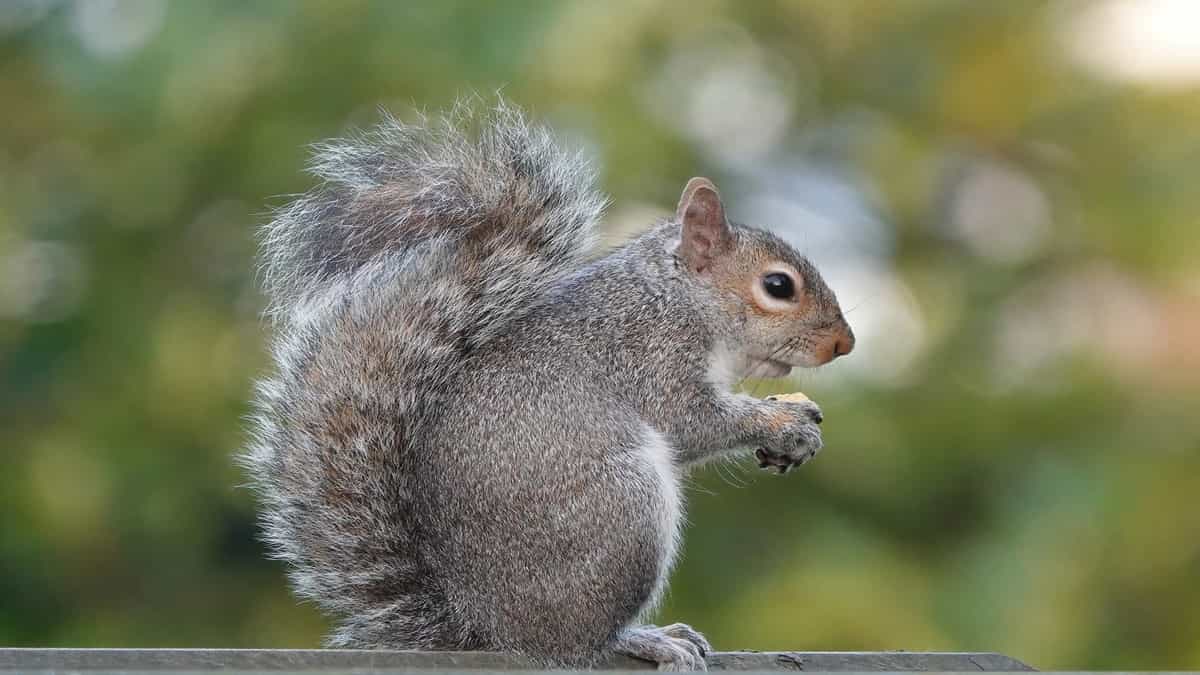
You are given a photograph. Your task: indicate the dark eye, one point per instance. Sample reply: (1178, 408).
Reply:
(779, 285)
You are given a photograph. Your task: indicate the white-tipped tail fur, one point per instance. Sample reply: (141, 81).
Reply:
(488, 180)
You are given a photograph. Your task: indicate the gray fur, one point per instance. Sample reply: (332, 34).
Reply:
(474, 437)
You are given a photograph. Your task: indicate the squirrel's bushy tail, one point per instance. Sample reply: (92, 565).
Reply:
(488, 188)
(421, 243)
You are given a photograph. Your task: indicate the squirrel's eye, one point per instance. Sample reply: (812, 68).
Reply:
(779, 285)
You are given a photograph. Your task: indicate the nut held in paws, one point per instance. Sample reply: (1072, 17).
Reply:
(768, 461)
(794, 397)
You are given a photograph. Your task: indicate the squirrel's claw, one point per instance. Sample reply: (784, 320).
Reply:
(779, 463)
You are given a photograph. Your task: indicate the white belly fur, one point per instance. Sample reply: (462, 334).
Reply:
(661, 457)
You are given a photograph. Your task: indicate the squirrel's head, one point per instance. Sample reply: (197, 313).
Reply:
(784, 314)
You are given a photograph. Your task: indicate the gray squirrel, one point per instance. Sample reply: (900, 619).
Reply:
(477, 426)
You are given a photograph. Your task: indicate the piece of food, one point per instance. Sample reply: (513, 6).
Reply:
(779, 464)
(794, 397)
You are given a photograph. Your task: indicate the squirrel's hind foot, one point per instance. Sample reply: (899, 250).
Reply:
(677, 647)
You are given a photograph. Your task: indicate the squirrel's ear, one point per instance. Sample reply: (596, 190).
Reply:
(704, 232)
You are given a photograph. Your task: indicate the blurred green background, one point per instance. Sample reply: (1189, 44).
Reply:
(1004, 195)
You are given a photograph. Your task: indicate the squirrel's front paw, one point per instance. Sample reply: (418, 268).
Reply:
(795, 435)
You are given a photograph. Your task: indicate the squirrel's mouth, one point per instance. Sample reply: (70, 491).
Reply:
(769, 368)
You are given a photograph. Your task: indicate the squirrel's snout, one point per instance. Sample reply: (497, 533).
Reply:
(844, 344)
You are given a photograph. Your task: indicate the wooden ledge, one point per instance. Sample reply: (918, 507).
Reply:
(341, 660)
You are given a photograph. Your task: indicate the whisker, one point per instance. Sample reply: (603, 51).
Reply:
(693, 485)
(722, 470)
(858, 304)
(737, 468)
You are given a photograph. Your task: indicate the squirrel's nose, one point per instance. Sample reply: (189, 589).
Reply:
(844, 344)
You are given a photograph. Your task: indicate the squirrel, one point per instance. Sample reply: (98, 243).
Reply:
(476, 427)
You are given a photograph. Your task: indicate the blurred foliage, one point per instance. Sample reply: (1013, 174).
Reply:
(1013, 455)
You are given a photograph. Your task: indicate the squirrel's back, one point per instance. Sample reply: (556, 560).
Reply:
(419, 245)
